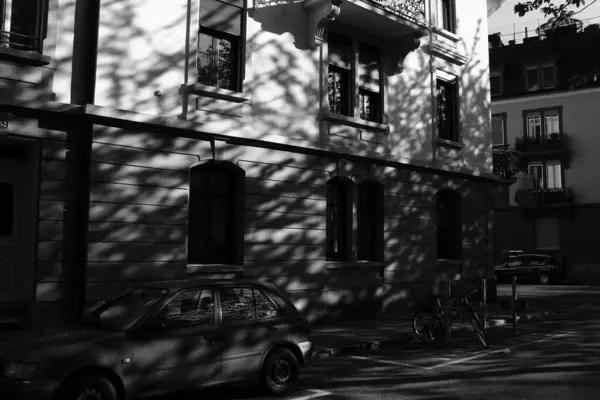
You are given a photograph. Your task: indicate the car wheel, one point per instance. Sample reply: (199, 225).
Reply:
(89, 387)
(280, 371)
(544, 278)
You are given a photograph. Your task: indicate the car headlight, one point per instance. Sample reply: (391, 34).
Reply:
(19, 370)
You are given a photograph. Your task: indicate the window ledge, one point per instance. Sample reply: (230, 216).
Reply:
(23, 57)
(216, 93)
(355, 122)
(446, 34)
(450, 143)
(447, 52)
(333, 265)
(212, 268)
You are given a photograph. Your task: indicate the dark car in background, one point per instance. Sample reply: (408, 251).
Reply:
(539, 268)
(163, 338)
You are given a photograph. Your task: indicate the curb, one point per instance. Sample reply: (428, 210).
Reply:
(409, 338)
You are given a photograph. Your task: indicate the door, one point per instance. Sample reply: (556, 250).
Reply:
(251, 323)
(11, 233)
(178, 347)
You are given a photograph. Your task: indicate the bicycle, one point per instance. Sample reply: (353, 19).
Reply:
(434, 319)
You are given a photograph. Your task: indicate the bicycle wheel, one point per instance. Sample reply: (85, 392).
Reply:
(427, 325)
(478, 328)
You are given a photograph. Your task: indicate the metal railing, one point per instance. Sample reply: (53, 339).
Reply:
(555, 141)
(19, 41)
(411, 10)
(533, 197)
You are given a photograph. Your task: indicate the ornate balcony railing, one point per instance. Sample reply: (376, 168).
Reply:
(554, 142)
(540, 197)
(505, 163)
(411, 10)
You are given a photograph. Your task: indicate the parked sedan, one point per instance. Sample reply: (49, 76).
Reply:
(163, 338)
(529, 267)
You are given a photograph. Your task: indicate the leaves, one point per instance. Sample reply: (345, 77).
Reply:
(562, 11)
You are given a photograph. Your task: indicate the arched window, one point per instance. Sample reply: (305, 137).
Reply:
(216, 213)
(339, 219)
(370, 207)
(449, 225)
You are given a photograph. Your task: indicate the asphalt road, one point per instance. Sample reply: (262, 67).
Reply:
(557, 359)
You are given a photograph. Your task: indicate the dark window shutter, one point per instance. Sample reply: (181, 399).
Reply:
(449, 225)
(339, 218)
(370, 221)
(216, 214)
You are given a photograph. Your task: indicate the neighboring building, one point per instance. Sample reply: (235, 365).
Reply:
(545, 95)
(339, 149)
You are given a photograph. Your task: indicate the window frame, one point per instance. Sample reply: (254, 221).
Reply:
(240, 58)
(354, 72)
(447, 12)
(370, 224)
(538, 67)
(196, 226)
(344, 225)
(542, 113)
(543, 164)
(451, 82)
(503, 118)
(497, 74)
(41, 28)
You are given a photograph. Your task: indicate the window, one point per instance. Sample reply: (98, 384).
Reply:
(188, 309)
(546, 175)
(495, 83)
(537, 171)
(339, 218)
(245, 304)
(552, 123)
(542, 124)
(221, 40)
(553, 175)
(448, 18)
(547, 234)
(499, 129)
(449, 225)
(540, 76)
(347, 81)
(23, 24)
(447, 109)
(370, 207)
(7, 209)
(216, 213)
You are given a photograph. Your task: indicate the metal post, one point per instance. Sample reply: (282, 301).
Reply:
(484, 303)
(514, 303)
(448, 310)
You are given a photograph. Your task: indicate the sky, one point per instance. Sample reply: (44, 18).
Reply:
(501, 17)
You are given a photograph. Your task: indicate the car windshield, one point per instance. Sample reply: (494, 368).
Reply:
(120, 312)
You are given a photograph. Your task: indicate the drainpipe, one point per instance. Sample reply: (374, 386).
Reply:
(433, 84)
(79, 145)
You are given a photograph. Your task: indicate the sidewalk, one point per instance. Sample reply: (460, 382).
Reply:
(332, 339)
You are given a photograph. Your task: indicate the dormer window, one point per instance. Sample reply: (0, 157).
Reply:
(540, 76)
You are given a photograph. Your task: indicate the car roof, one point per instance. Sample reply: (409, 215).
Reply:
(532, 255)
(174, 285)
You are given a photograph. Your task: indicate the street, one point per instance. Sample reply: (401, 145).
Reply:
(558, 358)
(549, 291)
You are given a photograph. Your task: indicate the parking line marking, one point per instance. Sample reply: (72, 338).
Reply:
(390, 362)
(315, 394)
(486, 353)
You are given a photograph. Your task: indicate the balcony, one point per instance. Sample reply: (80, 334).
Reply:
(392, 20)
(532, 198)
(555, 145)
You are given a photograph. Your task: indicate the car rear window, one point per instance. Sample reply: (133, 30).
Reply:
(246, 304)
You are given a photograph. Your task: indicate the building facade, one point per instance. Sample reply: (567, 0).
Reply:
(338, 149)
(544, 96)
